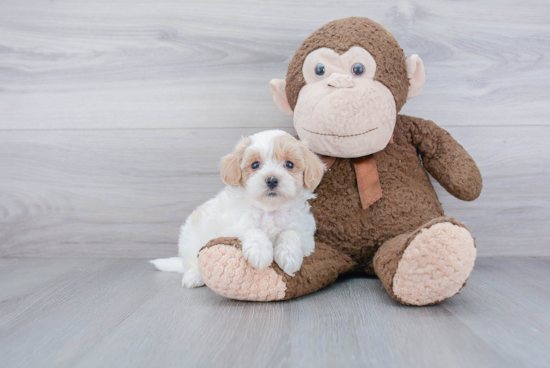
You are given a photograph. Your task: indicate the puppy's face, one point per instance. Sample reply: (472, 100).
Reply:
(272, 167)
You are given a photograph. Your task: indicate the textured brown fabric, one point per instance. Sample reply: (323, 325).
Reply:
(444, 158)
(408, 200)
(318, 270)
(368, 182)
(388, 256)
(343, 34)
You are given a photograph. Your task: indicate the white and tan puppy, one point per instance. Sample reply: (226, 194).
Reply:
(270, 176)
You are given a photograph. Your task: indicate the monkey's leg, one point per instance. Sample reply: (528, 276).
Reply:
(225, 270)
(428, 265)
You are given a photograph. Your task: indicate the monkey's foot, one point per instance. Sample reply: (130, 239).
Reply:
(429, 265)
(225, 270)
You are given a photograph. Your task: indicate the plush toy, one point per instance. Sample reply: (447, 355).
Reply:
(376, 210)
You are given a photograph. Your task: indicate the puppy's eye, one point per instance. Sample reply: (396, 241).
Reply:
(289, 165)
(358, 69)
(255, 165)
(320, 70)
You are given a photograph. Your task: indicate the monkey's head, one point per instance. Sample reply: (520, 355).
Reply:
(345, 86)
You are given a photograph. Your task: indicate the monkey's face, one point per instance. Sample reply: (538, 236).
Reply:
(342, 111)
(345, 85)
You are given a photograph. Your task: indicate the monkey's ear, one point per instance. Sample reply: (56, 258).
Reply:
(417, 77)
(278, 91)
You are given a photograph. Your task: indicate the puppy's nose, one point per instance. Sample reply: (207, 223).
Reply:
(272, 182)
(340, 80)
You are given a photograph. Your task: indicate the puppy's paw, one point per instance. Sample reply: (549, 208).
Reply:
(289, 257)
(257, 249)
(308, 245)
(192, 279)
(259, 256)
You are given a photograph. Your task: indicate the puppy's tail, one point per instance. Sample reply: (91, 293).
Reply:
(173, 264)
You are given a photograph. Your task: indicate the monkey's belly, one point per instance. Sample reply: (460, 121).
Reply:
(408, 201)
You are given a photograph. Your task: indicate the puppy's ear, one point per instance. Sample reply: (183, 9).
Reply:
(315, 168)
(230, 166)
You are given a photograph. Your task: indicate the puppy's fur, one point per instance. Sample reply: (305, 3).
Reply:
(269, 176)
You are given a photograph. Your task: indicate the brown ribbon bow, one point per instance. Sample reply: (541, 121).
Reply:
(368, 181)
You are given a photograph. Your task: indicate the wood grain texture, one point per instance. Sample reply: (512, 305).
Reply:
(114, 115)
(182, 64)
(104, 192)
(506, 289)
(123, 313)
(124, 193)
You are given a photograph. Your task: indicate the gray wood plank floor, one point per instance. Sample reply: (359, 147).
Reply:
(122, 313)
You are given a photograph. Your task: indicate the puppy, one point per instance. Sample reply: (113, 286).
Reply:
(270, 176)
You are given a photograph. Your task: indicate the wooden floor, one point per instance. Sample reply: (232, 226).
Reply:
(122, 313)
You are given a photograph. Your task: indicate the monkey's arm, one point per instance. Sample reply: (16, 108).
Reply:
(443, 157)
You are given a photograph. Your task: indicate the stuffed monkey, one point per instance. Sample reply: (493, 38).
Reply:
(376, 209)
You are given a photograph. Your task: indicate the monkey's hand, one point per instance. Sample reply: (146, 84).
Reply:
(444, 158)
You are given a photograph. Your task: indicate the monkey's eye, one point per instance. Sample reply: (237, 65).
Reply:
(289, 165)
(320, 70)
(358, 69)
(255, 165)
